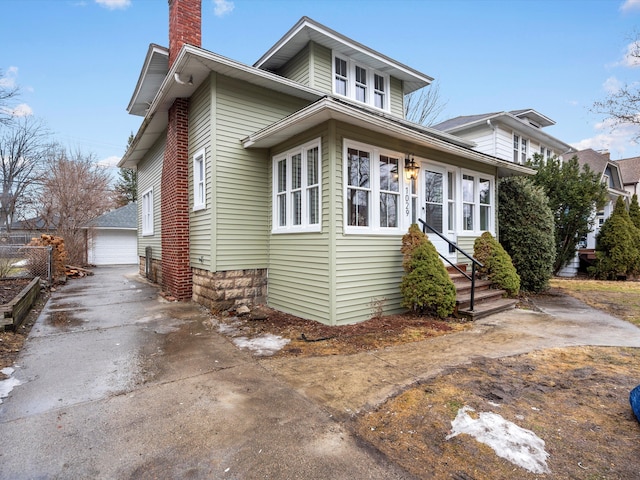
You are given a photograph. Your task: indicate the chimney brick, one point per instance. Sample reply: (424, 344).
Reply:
(185, 25)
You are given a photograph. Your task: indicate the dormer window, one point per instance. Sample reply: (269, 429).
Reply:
(360, 83)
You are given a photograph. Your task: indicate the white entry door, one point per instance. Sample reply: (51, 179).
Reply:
(437, 203)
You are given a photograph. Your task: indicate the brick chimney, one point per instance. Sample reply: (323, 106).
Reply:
(185, 18)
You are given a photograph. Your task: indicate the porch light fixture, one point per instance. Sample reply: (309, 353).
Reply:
(411, 167)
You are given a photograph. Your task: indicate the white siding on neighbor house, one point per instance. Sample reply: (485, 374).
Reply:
(112, 247)
(243, 185)
(149, 176)
(201, 221)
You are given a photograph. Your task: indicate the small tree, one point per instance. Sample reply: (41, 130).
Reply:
(574, 194)
(410, 241)
(426, 287)
(497, 265)
(526, 230)
(634, 211)
(126, 189)
(617, 253)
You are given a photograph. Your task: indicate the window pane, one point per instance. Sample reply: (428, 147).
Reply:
(296, 171)
(379, 100)
(313, 206)
(389, 174)
(485, 192)
(361, 93)
(358, 207)
(484, 217)
(361, 75)
(282, 175)
(358, 168)
(433, 187)
(296, 204)
(467, 216)
(282, 210)
(341, 86)
(434, 216)
(452, 216)
(341, 67)
(467, 188)
(312, 166)
(379, 83)
(450, 186)
(388, 210)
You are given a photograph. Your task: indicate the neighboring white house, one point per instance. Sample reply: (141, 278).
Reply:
(514, 136)
(112, 238)
(630, 170)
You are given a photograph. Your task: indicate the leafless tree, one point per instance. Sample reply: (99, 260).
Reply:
(424, 106)
(24, 146)
(7, 92)
(75, 189)
(622, 105)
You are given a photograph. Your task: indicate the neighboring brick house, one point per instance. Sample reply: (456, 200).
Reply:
(290, 182)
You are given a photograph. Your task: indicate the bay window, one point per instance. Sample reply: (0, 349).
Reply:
(477, 203)
(296, 187)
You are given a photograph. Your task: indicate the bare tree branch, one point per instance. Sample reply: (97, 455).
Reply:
(7, 92)
(424, 106)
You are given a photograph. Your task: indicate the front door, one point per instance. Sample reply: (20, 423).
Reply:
(437, 207)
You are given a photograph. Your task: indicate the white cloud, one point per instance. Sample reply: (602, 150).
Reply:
(631, 58)
(222, 7)
(111, 161)
(629, 5)
(9, 79)
(114, 4)
(22, 110)
(617, 139)
(612, 85)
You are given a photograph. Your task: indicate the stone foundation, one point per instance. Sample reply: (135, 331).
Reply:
(155, 275)
(224, 290)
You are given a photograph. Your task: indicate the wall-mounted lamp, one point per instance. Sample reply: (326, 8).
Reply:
(411, 167)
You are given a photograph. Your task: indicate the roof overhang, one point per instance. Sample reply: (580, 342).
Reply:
(515, 123)
(534, 115)
(307, 30)
(154, 71)
(190, 69)
(330, 108)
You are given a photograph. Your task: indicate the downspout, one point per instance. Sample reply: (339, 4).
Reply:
(495, 137)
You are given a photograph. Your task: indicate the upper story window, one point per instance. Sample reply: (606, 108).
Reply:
(545, 153)
(199, 184)
(147, 212)
(520, 149)
(360, 83)
(296, 189)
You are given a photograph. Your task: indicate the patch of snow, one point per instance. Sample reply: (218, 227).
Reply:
(264, 345)
(7, 385)
(227, 329)
(511, 442)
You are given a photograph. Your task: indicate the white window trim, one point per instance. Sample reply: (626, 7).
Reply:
(305, 226)
(476, 203)
(199, 156)
(351, 82)
(404, 216)
(147, 225)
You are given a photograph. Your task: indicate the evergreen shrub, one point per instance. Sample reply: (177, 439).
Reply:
(526, 231)
(426, 286)
(497, 265)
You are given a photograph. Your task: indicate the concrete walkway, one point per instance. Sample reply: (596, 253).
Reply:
(116, 383)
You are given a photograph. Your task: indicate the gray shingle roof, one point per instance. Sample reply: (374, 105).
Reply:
(630, 169)
(462, 120)
(124, 217)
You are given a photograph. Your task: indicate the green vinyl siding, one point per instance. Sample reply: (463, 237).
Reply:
(321, 67)
(243, 184)
(396, 98)
(466, 244)
(298, 68)
(200, 221)
(149, 176)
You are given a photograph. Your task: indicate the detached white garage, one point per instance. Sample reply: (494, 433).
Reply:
(112, 238)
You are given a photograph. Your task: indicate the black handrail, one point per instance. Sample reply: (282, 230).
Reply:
(474, 262)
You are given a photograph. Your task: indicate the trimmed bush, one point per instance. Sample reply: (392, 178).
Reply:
(526, 231)
(617, 252)
(427, 287)
(410, 241)
(497, 265)
(634, 211)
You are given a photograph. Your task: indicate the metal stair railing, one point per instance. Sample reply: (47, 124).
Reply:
(474, 262)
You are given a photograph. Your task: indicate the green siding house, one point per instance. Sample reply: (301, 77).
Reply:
(284, 183)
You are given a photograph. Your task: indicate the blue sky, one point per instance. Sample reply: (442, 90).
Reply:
(77, 62)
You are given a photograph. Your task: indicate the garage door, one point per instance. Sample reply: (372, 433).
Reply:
(113, 247)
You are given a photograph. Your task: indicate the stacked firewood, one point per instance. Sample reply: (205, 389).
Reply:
(59, 252)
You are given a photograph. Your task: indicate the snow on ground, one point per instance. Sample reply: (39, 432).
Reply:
(508, 440)
(264, 345)
(7, 385)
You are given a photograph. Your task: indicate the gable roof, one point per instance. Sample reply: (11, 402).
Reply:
(123, 218)
(600, 163)
(630, 170)
(306, 30)
(516, 119)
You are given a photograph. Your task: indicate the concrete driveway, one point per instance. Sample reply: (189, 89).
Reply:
(117, 383)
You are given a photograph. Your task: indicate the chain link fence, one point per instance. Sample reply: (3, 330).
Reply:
(21, 261)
